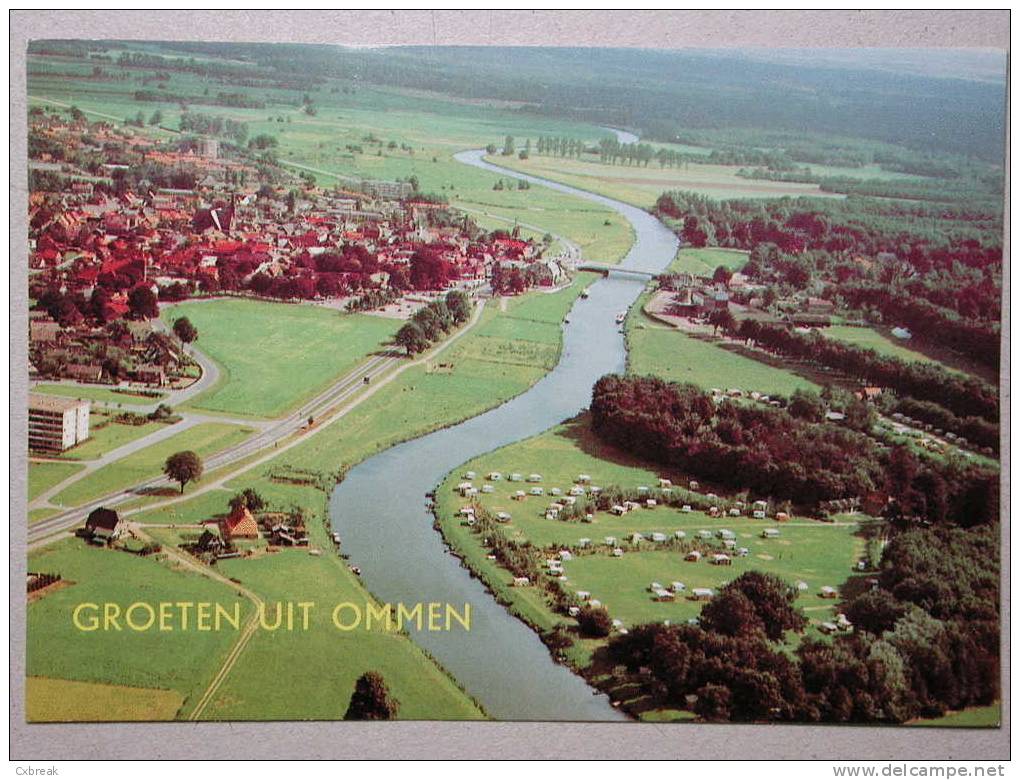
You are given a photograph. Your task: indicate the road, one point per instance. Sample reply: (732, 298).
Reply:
(325, 407)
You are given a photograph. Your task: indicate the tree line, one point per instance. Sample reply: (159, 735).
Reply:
(965, 396)
(433, 321)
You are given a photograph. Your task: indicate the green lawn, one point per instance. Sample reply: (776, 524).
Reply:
(275, 355)
(106, 435)
(101, 394)
(42, 475)
(205, 439)
(180, 661)
(191, 511)
(704, 261)
(882, 342)
(681, 357)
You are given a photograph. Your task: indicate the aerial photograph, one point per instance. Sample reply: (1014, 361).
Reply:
(445, 383)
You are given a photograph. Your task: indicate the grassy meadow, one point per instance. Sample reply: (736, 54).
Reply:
(704, 261)
(44, 474)
(179, 661)
(106, 435)
(273, 356)
(101, 394)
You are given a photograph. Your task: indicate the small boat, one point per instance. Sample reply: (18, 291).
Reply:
(584, 294)
(621, 317)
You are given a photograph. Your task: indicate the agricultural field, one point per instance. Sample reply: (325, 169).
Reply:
(642, 186)
(180, 661)
(100, 394)
(44, 474)
(205, 439)
(315, 670)
(499, 358)
(704, 261)
(70, 701)
(275, 355)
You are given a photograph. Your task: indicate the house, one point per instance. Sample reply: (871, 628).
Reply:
(101, 526)
(239, 524)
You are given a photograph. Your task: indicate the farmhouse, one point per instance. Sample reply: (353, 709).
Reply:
(239, 524)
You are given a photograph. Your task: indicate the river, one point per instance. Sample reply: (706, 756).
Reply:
(380, 507)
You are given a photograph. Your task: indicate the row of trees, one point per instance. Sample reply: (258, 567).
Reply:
(434, 320)
(962, 395)
(926, 641)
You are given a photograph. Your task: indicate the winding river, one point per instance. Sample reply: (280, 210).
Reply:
(380, 508)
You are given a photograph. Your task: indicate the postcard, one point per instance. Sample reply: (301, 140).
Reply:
(463, 383)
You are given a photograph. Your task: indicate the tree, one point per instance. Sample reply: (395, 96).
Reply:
(807, 406)
(371, 699)
(594, 622)
(722, 275)
(721, 318)
(249, 499)
(713, 703)
(412, 338)
(184, 330)
(183, 467)
(508, 146)
(143, 303)
(156, 118)
(459, 305)
(490, 149)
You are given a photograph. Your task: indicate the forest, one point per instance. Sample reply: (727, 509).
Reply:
(933, 268)
(783, 454)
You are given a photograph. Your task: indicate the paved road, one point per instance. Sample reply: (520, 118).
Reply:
(265, 439)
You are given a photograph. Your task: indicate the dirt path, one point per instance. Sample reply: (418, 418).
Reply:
(247, 632)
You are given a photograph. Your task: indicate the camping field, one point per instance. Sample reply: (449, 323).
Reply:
(809, 551)
(887, 345)
(273, 356)
(205, 439)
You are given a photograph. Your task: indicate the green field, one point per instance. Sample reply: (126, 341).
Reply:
(42, 475)
(205, 439)
(882, 342)
(642, 186)
(704, 261)
(70, 701)
(313, 672)
(101, 394)
(682, 357)
(275, 355)
(179, 661)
